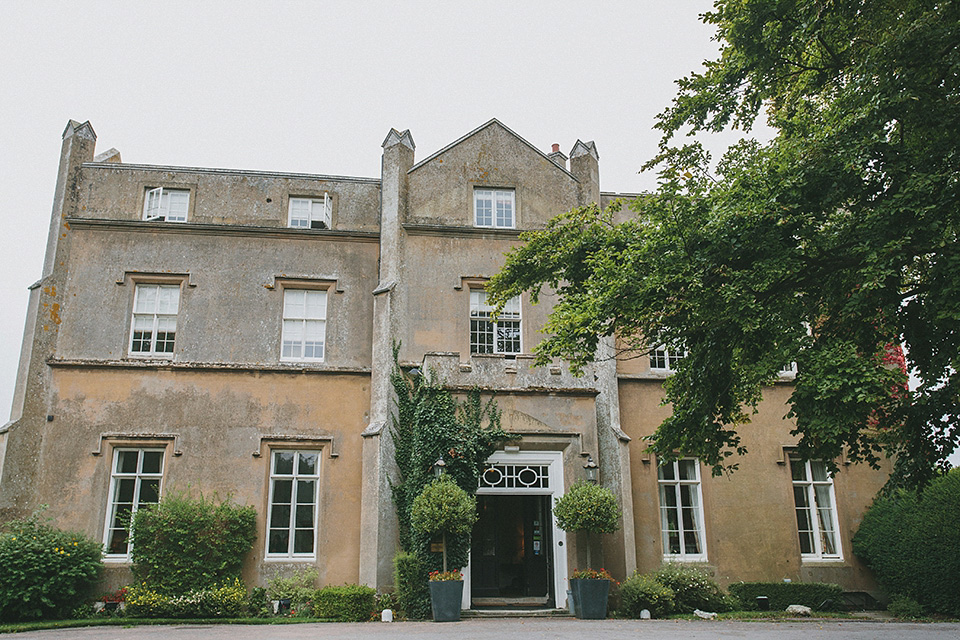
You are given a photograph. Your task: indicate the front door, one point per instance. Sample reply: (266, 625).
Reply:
(512, 555)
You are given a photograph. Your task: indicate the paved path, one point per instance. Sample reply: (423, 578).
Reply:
(525, 629)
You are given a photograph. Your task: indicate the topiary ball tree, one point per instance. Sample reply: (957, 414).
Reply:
(589, 508)
(441, 508)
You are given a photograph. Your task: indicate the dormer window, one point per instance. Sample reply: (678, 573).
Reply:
(494, 208)
(311, 213)
(166, 205)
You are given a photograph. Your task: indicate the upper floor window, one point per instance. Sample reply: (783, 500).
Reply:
(134, 482)
(489, 336)
(816, 507)
(494, 208)
(154, 326)
(681, 510)
(162, 204)
(664, 359)
(292, 517)
(311, 213)
(304, 324)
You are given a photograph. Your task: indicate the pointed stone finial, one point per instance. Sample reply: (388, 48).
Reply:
(397, 137)
(582, 148)
(83, 130)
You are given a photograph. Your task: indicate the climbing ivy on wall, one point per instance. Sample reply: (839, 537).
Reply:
(428, 424)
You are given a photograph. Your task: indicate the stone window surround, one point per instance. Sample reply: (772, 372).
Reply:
(147, 186)
(512, 190)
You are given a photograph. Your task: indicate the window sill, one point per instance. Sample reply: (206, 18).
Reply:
(685, 559)
(814, 561)
(116, 560)
(290, 559)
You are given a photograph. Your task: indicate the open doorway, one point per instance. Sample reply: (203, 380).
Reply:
(512, 556)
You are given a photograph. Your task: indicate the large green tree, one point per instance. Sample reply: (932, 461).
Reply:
(822, 247)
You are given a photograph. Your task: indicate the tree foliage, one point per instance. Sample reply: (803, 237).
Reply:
(823, 247)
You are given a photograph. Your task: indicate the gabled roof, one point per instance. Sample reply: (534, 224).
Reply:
(490, 123)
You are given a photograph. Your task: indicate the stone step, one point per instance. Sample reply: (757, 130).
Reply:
(515, 613)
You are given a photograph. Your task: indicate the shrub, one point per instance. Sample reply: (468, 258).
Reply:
(228, 600)
(44, 572)
(412, 590)
(912, 544)
(443, 507)
(258, 606)
(693, 589)
(186, 544)
(298, 588)
(639, 592)
(588, 507)
(904, 607)
(784, 594)
(347, 603)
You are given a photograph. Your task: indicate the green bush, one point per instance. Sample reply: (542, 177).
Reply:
(44, 572)
(904, 607)
(588, 507)
(639, 592)
(298, 588)
(347, 603)
(912, 544)
(693, 589)
(186, 544)
(412, 590)
(228, 600)
(443, 507)
(258, 606)
(784, 594)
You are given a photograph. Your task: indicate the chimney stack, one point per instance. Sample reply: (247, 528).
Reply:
(557, 156)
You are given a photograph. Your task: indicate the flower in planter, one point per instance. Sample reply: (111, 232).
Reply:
(592, 574)
(445, 576)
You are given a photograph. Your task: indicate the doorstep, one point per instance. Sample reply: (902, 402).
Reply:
(500, 612)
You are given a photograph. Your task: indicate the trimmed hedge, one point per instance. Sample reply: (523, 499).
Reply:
(912, 543)
(784, 594)
(346, 603)
(185, 544)
(44, 572)
(412, 590)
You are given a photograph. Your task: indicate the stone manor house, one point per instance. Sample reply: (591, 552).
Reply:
(230, 332)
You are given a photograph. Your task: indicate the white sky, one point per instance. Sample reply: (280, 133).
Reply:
(314, 87)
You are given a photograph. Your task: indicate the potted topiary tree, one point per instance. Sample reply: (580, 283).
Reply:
(592, 509)
(442, 508)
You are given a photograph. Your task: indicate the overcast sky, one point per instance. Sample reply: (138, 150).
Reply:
(314, 87)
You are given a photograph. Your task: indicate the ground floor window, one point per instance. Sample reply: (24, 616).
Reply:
(134, 482)
(681, 510)
(816, 509)
(292, 519)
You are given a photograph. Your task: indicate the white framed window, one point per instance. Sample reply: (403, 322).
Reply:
(304, 325)
(310, 213)
(681, 511)
(170, 205)
(135, 481)
(663, 359)
(153, 330)
(292, 519)
(789, 371)
(489, 336)
(494, 208)
(816, 507)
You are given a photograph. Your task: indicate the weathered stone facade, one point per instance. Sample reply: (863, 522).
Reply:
(399, 259)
